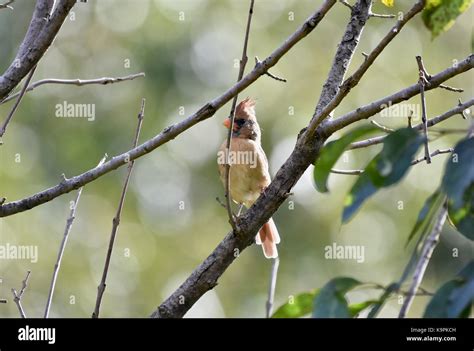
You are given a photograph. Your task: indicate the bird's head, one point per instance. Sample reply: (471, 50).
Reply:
(245, 122)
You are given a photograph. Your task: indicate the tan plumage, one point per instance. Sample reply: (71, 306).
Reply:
(249, 179)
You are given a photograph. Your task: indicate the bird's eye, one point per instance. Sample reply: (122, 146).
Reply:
(240, 122)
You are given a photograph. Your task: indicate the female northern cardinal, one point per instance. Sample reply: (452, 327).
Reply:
(249, 169)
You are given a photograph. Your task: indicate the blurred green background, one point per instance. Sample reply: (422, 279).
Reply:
(171, 220)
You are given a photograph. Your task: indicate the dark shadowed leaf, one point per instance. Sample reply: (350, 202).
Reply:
(385, 169)
(440, 15)
(454, 297)
(427, 213)
(458, 183)
(331, 302)
(297, 306)
(331, 153)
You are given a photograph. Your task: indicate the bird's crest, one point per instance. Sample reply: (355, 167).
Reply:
(246, 108)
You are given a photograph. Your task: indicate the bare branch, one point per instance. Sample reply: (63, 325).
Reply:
(449, 88)
(7, 5)
(67, 230)
(77, 82)
(371, 109)
(431, 122)
(272, 286)
(171, 132)
(433, 154)
(38, 38)
(423, 79)
(4, 126)
(420, 268)
(116, 220)
(258, 62)
(378, 15)
(382, 127)
(243, 63)
(17, 296)
(414, 162)
(321, 114)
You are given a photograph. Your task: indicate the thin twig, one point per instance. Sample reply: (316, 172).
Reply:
(17, 296)
(347, 172)
(7, 5)
(243, 62)
(4, 126)
(320, 115)
(420, 268)
(272, 286)
(258, 62)
(449, 88)
(67, 230)
(116, 220)
(414, 162)
(422, 83)
(378, 15)
(382, 127)
(76, 82)
(431, 122)
(433, 154)
(345, 3)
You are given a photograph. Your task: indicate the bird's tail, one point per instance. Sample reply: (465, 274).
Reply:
(268, 237)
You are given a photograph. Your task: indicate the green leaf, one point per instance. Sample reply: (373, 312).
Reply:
(331, 153)
(297, 306)
(330, 302)
(427, 213)
(385, 169)
(356, 308)
(440, 15)
(458, 183)
(454, 297)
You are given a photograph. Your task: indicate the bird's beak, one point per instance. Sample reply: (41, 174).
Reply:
(227, 123)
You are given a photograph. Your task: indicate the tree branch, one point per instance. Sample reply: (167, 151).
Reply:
(422, 80)
(243, 63)
(371, 109)
(321, 114)
(7, 5)
(76, 82)
(431, 122)
(38, 38)
(272, 287)
(171, 132)
(17, 296)
(116, 220)
(206, 275)
(428, 248)
(4, 126)
(67, 230)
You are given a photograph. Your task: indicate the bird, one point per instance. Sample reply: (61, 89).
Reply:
(249, 175)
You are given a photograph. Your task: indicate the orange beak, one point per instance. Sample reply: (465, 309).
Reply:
(226, 123)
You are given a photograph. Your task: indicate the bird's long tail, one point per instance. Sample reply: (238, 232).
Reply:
(268, 237)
